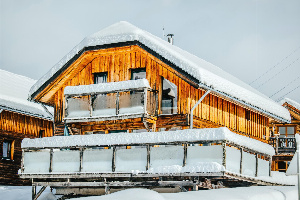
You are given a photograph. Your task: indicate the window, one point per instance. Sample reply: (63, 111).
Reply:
(100, 77)
(247, 115)
(138, 73)
(41, 133)
(7, 150)
(169, 97)
(286, 131)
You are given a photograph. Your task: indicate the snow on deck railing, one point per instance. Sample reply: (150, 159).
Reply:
(188, 135)
(106, 87)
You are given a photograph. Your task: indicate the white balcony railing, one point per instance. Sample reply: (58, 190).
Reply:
(110, 101)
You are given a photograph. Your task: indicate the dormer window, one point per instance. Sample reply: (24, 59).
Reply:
(100, 77)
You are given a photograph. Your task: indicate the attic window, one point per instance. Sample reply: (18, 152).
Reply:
(138, 73)
(100, 77)
(169, 97)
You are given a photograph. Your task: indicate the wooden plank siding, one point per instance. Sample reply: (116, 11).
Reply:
(213, 111)
(14, 127)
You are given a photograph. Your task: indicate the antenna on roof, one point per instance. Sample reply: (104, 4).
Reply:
(170, 38)
(164, 32)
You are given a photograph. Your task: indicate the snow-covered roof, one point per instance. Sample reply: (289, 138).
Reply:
(13, 95)
(291, 102)
(207, 134)
(206, 73)
(107, 87)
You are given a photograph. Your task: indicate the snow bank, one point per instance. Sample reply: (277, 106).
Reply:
(24, 192)
(240, 193)
(208, 134)
(207, 73)
(291, 102)
(14, 92)
(106, 87)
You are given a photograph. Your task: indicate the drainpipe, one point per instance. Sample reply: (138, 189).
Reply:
(191, 115)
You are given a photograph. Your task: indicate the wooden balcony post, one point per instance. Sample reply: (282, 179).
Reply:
(22, 161)
(90, 105)
(224, 154)
(81, 160)
(270, 166)
(256, 164)
(148, 157)
(51, 160)
(184, 154)
(241, 162)
(117, 103)
(66, 106)
(114, 159)
(145, 100)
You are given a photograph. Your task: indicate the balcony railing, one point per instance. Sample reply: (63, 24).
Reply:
(283, 145)
(85, 103)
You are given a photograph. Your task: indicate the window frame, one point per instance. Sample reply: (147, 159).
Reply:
(100, 74)
(285, 134)
(9, 150)
(174, 104)
(137, 70)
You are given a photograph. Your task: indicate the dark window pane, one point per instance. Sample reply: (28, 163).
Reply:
(100, 77)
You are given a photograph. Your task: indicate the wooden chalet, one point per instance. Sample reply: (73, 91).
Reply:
(19, 119)
(177, 80)
(283, 136)
(125, 80)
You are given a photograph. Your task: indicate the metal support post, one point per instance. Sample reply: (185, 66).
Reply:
(191, 113)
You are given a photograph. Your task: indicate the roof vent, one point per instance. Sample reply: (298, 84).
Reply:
(170, 38)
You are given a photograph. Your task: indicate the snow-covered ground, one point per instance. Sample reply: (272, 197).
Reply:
(241, 193)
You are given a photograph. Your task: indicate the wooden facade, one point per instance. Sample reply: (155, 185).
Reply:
(14, 127)
(213, 111)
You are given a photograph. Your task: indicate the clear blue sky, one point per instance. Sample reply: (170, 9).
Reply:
(243, 37)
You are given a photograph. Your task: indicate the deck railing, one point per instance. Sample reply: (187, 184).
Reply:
(283, 145)
(111, 105)
(176, 153)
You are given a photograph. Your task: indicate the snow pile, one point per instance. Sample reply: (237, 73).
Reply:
(208, 134)
(206, 73)
(240, 193)
(14, 92)
(24, 192)
(106, 87)
(291, 102)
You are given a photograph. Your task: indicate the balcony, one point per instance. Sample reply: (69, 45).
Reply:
(283, 145)
(110, 101)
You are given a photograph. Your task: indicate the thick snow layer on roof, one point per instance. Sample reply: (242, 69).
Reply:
(291, 102)
(14, 92)
(207, 73)
(106, 87)
(208, 134)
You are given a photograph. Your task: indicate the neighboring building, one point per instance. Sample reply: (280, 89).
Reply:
(176, 80)
(19, 119)
(283, 138)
